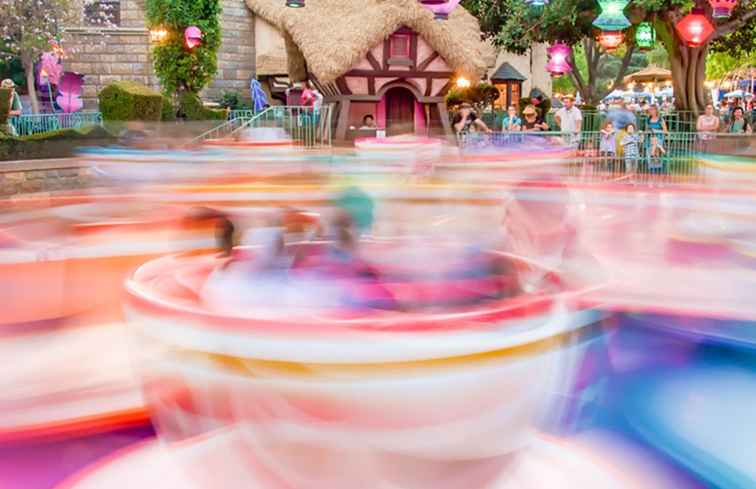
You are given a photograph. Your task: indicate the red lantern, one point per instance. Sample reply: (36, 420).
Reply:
(695, 28)
(722, 8)
(610, 40)
(440, 8)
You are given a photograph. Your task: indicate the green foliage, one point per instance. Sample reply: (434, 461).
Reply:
(192, 109)
(480, 96)
(178, 67)
(232, 101)
(719, 64)
(4, 105)
(61, 143)
(14, 70)
(130, 101)
(658, 57)
(167, 111)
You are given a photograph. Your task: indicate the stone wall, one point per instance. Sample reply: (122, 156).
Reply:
(21, 178)
(123, 53)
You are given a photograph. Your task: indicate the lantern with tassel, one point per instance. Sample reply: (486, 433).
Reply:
(558, 53)
(645, 36)
(440, 8)
(722, 9)
(610, 40)
(695, 29)
(612, 16)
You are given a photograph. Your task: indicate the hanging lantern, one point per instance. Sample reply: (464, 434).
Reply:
(721, 9)
(192, 36)
(440, 8)
(695, 28)
(612, 16)
(537, 3)
(295, 3)
(610, 40)
(558, 53)
(645, 36)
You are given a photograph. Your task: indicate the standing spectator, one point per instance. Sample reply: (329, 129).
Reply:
(533, 122)
(570, 119)
(467, 121)
(511, 122)
(14, 107)
(630, 144)
(707, 122)
(738, 124)
(608, 143)
(308, 97)
(621, 116)
(658, 128)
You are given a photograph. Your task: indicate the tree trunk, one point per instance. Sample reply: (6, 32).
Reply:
(31, 83)
(688, 75)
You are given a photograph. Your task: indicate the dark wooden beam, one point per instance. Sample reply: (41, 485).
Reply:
(401, 74)
(371, 85)
(386, 52)
(373, 62)
(341, 127)
(428, 86)
(443, 113)
(427, 61)
(413, 51)
(444, 89)
(343, 86)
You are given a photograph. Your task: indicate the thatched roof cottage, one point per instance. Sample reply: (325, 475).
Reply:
(387, 58)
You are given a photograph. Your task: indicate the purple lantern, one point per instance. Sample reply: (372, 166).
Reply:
(440, 8)
(559, 53)
(192, 36)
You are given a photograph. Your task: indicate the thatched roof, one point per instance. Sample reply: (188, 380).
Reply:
(332, 35)
(649, 74)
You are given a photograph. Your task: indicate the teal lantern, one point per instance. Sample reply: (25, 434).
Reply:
(612, 16)
(645, 36)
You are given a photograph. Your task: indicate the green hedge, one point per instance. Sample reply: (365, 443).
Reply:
(130, 101)
(168, 111)
(53, 144)
(192, 109)
(4, 106)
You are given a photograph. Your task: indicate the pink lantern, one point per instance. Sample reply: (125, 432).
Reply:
(192, 36)
(440, 8)
(559, 53)
(722, 8)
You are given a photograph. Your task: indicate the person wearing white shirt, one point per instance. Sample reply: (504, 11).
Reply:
(569, 118)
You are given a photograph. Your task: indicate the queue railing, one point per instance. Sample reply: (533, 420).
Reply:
(661, 157)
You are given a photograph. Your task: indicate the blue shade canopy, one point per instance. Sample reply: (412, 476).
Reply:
(259, 97)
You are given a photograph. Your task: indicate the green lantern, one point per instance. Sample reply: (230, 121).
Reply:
(612, 16)
(645, 36)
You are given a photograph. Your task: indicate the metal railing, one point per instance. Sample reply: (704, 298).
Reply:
(683, 121)
(28, 124)
(671, 156)
(223, 130)
(305, 126)
(242, 113)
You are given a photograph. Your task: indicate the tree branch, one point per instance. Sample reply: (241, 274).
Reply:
(734, 24)
(619, 79)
